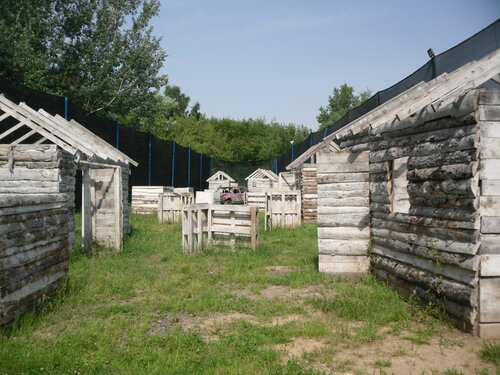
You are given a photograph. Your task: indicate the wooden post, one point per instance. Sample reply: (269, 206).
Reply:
(87, 211)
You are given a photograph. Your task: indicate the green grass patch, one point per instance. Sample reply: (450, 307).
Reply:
(147, 309)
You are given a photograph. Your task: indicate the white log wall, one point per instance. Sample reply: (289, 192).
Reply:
(489, 206)
(36, 225)
(309, 188)
(432, 249)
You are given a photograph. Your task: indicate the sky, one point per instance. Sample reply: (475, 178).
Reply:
(281, 59)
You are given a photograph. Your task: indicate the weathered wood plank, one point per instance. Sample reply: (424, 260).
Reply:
(490, 224)
(344, 265)
(489, 300)
(490, 205)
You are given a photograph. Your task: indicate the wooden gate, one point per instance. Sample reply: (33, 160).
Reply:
(102, 207)
(343, 212)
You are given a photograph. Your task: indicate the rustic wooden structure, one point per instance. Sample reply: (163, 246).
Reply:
(170, 205)
(262, 180)
(256, 200)
(282, 210)
(220, 178)
(305, 170)
(433, 177)
(145, 198)
(205, 226)
(287, 181)
(37, 184)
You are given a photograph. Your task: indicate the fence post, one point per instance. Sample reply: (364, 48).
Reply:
(173, 162)
(201, 171)
(149, 160)
(117, 135)
(276, 165)
(66, 108)
(325, 133)
(189, 167)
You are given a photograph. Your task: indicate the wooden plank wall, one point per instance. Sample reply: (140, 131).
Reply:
(37, 228)
(205, 225)
(489, 174)
(343, 212)
(145, 198)
(309, 189)
(430, 250)
(283, 210)
(257, 199)
(170, 206)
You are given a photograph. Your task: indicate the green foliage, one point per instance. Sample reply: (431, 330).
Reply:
(233, 140)
(101, 54)
(342, 100)
(491, 352)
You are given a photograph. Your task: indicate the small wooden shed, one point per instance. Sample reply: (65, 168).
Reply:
(220, 178)
(262, 180)
(39, 157)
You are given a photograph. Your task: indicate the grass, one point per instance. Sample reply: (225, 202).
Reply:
(153, 310)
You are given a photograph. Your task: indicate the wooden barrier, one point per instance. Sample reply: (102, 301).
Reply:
(145, 198)
(205, 225)
(283, 210)
(257, 199)
(170, 206)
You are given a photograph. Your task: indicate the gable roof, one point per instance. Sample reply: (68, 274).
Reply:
(224, 175)
(69, 135)
(437, 93)
(263, 173)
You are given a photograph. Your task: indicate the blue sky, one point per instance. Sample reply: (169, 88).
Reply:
(280, 59)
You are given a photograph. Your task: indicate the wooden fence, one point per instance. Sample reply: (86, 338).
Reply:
(283, 210)
(205, 225)
(145, 198)
(257, 199)
(170, 206)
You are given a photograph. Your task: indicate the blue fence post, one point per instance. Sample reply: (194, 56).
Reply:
(325, 133)
(276, 165)
(173, 162)
(149, 159)
(292, 153)
(201, 171)
(189, 167)
(117, 135)
(66, 114)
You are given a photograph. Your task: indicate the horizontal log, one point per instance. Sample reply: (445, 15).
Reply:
(342, 157)
(490, 169)
(489, 112)
(444, 188)
(343, 233)
(435, 243)
(454, 291)
(445, 158)
(343, 177)
(489, 300)
(471, 204)
(490, 224)
(344, 167)
(431, 233)
(425, 134)
(468, 262)
(344, 265)
(443, 270)
(490, 244)
(449, 145)
(426, 221)
(341, 202)
(490, 205)
(444, 213)
(445, 172)
(380, 167)
(338, 220)
(489, 130)
(380, 207)
(490, 187)
(343, 247)
(344, 186)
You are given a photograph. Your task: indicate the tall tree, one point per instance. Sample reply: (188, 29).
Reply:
(100, 53)
(342, 100)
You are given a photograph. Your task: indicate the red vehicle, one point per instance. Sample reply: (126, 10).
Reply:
(231, 195)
